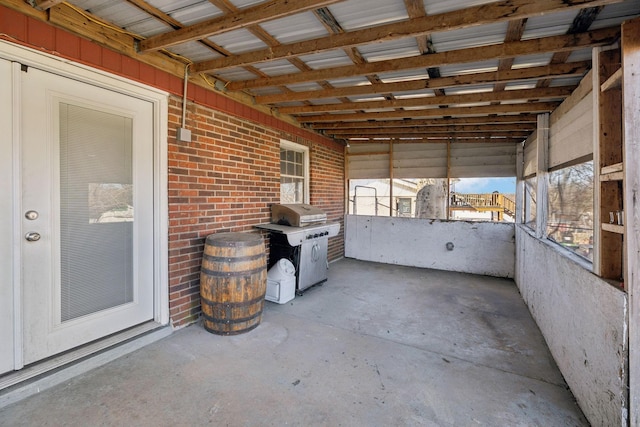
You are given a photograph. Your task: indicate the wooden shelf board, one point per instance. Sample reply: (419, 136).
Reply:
(618, 167)
(615, 81)
(613, 228)
(613, 176)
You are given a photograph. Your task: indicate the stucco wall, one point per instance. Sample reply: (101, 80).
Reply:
(583, 321)
(486, 248)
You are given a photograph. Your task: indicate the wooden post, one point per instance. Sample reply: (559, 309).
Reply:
(391, 178)
(543, 176)
(448, 179)
(631, 125)
(346, 179)
(519, 185)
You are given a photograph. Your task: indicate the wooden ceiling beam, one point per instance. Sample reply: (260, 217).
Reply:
(525, 119)
(515, 127)
(496, 51)
(473, 16)
(581, 23)
(486, 134)
(262, 12)
(570, 69)
(515, 30)
(530, 107)
(45, 4)
(469, 98)
(437, 140)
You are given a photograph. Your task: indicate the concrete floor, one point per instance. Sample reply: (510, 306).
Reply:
(377, 345)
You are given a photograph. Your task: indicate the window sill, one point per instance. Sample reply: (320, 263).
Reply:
(577, 259)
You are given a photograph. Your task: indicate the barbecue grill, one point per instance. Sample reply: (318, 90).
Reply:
(300, 233)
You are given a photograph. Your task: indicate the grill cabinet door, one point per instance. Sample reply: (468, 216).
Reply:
(313, 263)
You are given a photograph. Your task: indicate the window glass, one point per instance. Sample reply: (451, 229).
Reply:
(292, 174)
(570, 215)
(483, 199)
(369, 197)
(529, 211)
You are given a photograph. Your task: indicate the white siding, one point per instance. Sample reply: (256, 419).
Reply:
(429, 160)
(472, 160)
(421, 160)
(571, 133)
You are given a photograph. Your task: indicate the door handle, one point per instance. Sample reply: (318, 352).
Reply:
(32, 236)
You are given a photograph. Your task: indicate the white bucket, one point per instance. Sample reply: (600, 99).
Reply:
(282, 269)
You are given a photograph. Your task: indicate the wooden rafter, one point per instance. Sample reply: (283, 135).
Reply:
(496, 51)
(465, 18)
(515, 127)
(250, 16)
(438, 140)
(581, 23)
(332, 25)
(510, 95)
(514, 33)
(571, 69)
(530, 107)
(487, 134)
(46, 4)
(415, 9)
(229, 8)
(528, 119)
(173, 23)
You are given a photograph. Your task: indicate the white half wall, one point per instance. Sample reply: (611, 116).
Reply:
(486, 248)
(583, 320)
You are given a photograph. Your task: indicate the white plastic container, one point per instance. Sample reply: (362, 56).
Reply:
(281, 282)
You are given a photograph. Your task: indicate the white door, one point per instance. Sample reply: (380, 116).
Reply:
(7, 326)
(87, 212)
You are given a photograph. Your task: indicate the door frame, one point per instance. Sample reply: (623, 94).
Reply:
(25, 56)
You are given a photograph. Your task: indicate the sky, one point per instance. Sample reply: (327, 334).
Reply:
(486, 185)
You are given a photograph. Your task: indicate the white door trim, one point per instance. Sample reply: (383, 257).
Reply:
(158, 98)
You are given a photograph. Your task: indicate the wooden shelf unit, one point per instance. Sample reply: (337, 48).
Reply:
(610, 164)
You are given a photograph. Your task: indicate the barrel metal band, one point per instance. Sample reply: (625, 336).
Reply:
(217, 258)
(229, 321)
(215, 273)
(233, 332)
(232, 304)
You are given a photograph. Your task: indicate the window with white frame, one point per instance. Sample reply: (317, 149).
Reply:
(294, 173)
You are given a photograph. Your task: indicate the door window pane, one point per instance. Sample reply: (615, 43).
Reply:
(96, 211)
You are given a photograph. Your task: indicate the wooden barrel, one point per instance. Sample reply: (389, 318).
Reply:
(233, 282)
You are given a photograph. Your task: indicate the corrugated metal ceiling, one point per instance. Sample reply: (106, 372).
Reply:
(281, 60)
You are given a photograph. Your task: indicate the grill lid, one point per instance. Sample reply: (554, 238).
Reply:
(297, 215)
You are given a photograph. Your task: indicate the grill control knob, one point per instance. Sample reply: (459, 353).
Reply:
(315, 235)
(310, 236)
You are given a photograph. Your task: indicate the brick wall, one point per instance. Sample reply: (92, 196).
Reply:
(226, 179)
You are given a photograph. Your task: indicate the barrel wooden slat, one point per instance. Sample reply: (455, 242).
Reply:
(233, 282)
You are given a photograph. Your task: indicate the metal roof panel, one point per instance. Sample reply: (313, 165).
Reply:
(469, 37)
(440, 6)
(390, 50)
(298, 27)
(328, 59)
(352, 15)
(238, 41)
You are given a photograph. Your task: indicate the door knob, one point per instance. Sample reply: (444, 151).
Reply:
(31, 215)
(32, 236)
